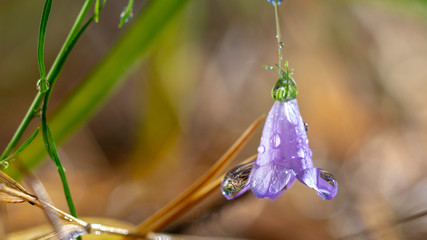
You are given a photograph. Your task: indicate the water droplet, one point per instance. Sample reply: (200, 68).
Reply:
(5, 164)
(126, 18)
(326, 184)
(285, 89)
(275, 140)
(234, 182)
(328, 177)
(281, 45)
(268, 67)
(41, 88)
(306, 126)
(274, 2)
(261, 149)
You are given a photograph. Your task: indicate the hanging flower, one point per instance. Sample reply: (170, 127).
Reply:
(283, 153)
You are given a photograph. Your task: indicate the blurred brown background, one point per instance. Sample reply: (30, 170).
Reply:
(361, 69)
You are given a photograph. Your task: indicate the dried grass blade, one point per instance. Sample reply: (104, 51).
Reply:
(214, 171)
(44, 199)
(16, 193)
(8, 181)
(191, 201)
(69, 231)
(3, 216)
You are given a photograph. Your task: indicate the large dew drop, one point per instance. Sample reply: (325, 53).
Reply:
(235, 181)
(42, 87)
(326, 184)
(261, 149)
(285, 89)
(275, 140)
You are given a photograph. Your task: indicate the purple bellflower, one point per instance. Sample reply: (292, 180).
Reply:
(283, 153)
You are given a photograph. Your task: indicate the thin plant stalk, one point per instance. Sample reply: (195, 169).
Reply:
(279, 37)
(51, 77)
(43, 85)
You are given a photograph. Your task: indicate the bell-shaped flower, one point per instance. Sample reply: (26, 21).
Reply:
(283, 154)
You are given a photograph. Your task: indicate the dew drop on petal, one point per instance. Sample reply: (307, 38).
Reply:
(235, 181)
(275, 140)
(261, 149)
(306, 126)
(326, 184)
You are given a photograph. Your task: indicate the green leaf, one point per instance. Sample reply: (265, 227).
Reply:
(96, 15)
(27, 142)
(89, 96)
(23, 146)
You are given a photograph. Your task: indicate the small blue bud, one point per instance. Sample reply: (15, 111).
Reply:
(274, 2)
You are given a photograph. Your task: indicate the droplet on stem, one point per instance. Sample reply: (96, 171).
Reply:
(4, 164)
(281, 45)
(125, 18)
(42, 87)
(268, 67)
(275, 1)
(235, 181)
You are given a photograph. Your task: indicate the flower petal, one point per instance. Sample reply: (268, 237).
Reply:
(270, 180)
(321, 181)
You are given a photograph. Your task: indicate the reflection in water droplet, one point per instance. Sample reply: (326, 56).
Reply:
(326, 184)
(285, 89)
(306, 126)
(328, 177)
(261, 149)
(275, 140)
(234, 182)
(281, 45)
(4, 164)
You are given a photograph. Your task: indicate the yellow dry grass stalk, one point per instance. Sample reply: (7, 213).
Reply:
(199, 190)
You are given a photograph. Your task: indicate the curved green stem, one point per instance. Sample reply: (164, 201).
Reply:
(51, 149)
(51, 78)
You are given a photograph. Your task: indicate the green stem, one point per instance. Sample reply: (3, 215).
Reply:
(23, 125)
(279, 37)
(40, 48)
(51, 149)
(51, 77)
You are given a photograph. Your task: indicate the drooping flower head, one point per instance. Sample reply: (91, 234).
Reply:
(283, 154)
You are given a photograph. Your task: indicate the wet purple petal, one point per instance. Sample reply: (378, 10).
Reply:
(284, 155)
(270, 180)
